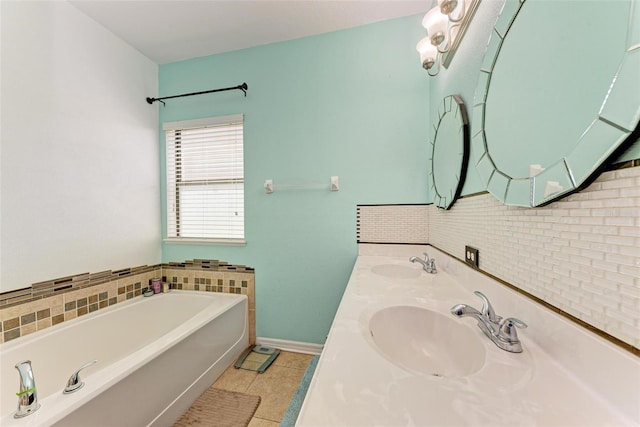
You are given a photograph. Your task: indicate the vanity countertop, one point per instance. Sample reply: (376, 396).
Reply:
(356, 385)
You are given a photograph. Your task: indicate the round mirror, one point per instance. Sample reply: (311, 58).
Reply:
(555, 101)
(449, 148)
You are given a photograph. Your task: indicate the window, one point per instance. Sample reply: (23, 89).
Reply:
(205, 180)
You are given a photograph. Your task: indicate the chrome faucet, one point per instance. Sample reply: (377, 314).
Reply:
(27, 396)
(501, 331)
(428, 264)
(74, 383)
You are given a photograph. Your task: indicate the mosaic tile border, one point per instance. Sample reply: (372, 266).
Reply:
(72, 283)
(49, 303)
(208, 264)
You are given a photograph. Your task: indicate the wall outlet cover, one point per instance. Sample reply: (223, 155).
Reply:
(471, 256)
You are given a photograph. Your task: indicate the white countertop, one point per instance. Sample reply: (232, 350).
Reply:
(355, 385)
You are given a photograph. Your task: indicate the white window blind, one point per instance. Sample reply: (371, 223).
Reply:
(205, 179)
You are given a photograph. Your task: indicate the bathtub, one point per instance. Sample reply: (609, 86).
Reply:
(155, 356)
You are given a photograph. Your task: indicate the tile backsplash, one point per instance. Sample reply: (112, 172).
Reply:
(392, 224)
(580, 254)
(48, 303)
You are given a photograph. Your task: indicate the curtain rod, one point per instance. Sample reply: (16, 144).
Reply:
(243, 87)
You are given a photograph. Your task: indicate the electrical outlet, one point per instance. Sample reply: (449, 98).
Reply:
(471, 256)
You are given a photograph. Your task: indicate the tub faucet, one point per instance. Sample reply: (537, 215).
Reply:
(502, 332)
(27, 396)
(428, 264)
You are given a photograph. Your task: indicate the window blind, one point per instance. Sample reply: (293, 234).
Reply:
(205, 179)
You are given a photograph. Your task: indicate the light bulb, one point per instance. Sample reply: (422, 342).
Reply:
(447, 6)
(428, 52)
(436, 25)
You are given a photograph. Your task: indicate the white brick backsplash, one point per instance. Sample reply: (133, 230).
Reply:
(591, 262)
(393, 224)
(580, 254)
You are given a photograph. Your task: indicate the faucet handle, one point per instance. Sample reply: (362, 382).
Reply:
(487, 308)
(74, 383)
(507, 330)
(426, 256)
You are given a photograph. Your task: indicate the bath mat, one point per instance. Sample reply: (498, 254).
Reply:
(220, 408)
(291, 416)
(257, 358)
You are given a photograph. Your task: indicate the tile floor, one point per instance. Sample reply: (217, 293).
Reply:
(276, 386)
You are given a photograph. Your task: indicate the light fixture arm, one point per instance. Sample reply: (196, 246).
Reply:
(437, 62)
(463, 8)
(449, 39)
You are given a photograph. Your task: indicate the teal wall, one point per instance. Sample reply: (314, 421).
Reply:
(353, 103)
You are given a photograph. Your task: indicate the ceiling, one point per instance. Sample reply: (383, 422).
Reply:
(174, 30)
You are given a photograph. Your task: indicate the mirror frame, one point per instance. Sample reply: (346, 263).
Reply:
(445, 196)
(613, 128)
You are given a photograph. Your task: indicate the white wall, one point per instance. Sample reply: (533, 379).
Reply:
(79, 151)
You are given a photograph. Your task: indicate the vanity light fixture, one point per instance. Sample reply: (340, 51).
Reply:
(446, 24)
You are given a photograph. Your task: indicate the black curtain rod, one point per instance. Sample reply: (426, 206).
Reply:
(243, 87)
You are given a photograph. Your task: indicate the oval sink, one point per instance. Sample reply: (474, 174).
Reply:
(426, 342)
(396, 271)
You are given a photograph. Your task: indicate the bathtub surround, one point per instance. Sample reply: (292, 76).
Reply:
(215, 276)
(52, 302)
(32, 309)
(579, 254)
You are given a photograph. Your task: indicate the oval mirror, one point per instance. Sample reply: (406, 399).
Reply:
(558, 95)
(449, 151)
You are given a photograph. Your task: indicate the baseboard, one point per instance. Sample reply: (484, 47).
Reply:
(294, 346)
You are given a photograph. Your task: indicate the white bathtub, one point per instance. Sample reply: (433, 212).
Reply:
(155, 356)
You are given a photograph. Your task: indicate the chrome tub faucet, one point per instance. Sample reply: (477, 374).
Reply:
(428, 264)
(502, 332)
(27, 396)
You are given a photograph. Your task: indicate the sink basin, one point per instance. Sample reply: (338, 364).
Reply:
(396, 271)
(426, 342)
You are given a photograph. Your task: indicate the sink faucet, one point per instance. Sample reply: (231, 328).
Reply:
(501, 331)
(27, 396)
(428, 264)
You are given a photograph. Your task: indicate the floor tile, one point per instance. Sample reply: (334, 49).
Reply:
(235, 379)
(259, 422)
(293, 360)
(276, 387)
